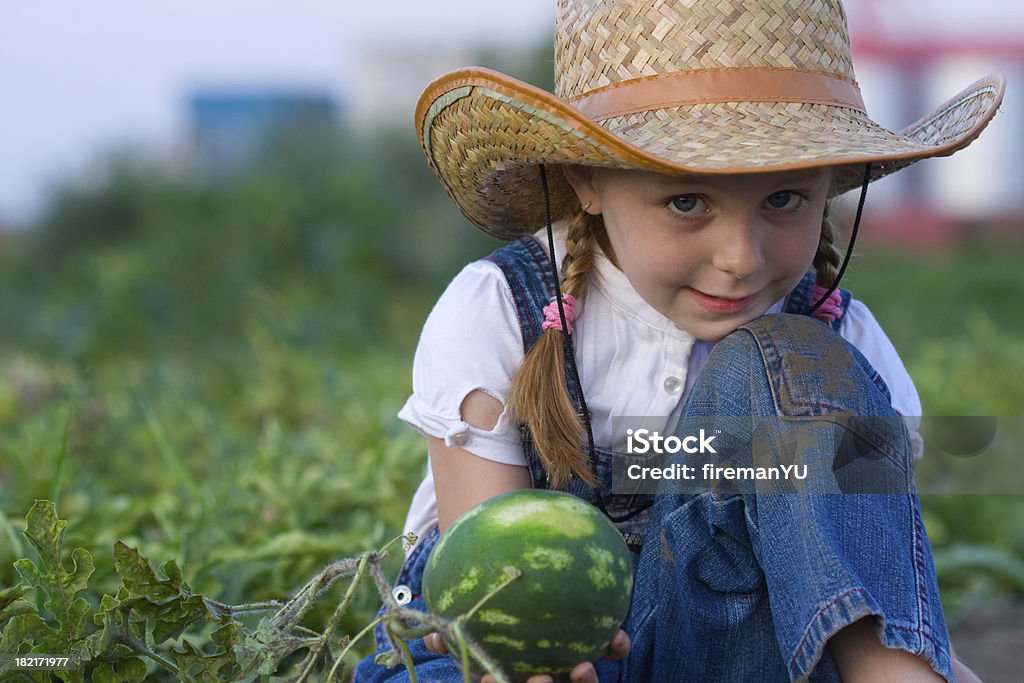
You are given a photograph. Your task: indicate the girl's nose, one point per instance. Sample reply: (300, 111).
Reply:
(739, 253)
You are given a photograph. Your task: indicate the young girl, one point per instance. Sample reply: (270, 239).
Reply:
(674, 257)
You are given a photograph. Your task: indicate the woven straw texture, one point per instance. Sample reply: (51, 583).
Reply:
(485, 133)
(601, 43)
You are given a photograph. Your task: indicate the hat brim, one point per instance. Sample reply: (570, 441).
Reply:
(484, 133)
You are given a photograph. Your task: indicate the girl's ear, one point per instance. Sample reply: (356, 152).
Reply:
(581, 178)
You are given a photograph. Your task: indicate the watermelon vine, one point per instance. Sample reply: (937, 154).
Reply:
(150, 622)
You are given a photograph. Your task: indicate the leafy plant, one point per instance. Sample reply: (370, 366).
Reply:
(143, 625)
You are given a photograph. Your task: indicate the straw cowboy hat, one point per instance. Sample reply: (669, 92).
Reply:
(674, 86)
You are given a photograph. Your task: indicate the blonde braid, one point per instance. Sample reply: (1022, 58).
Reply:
(580, 244)
(828, 257)
(537, 394)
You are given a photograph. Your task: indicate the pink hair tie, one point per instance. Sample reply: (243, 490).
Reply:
(552, 319)
(831, 308)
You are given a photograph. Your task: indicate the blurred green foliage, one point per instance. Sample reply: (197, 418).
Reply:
(210, 369)
(957, 319)
(320, 239)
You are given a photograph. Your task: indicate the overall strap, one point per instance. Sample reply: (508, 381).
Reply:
(800, 301)
(524, 263)
(526, 268)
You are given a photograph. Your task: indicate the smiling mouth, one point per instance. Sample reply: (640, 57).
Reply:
(721, 304)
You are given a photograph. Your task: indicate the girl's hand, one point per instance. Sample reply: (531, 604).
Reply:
(618, 648)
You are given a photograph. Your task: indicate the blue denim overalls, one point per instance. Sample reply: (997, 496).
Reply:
(747, 586)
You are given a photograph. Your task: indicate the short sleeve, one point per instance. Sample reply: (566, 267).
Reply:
(471, 340)
(860, 328)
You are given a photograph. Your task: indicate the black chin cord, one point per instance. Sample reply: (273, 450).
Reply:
(570, 357)
(853, 238)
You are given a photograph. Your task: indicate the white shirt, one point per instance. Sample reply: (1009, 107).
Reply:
(632, 361)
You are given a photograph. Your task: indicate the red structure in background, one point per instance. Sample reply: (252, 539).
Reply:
(891, 30)
(896, 34)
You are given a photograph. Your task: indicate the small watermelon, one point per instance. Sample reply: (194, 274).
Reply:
(571, 597)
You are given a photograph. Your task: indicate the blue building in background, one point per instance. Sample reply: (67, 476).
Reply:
(229, 128)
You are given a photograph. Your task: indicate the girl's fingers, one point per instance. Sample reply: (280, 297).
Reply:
(583, 673)
(619, 646)
(434, 643)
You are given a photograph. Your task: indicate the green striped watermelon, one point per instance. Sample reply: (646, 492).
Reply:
(572, 595)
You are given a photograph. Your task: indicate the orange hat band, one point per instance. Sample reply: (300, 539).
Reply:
(706, 86)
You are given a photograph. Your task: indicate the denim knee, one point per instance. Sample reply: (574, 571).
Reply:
(810, 369)
(780, 573)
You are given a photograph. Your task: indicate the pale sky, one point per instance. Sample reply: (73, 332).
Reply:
(77, 77)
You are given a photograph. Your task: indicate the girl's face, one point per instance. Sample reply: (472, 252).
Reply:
(709, 252)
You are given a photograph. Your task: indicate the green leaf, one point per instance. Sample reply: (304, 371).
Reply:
(70, 675)
(226, 637)
(37, 676)
(172, 619)
(86, 649)
(108, 605)
(30, 630)
(141, 580)
(46, 532)
(121, 670)
(11, 604)
(219, 666)
(164, 603)
(262, 652)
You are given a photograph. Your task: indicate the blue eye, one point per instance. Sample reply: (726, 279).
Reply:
(782, 200)
(687, 204)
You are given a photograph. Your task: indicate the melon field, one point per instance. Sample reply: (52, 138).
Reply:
(202, 375)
